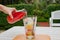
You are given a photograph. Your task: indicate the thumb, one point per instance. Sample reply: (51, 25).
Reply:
(11, 15)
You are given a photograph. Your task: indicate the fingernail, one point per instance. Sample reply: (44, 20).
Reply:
(12, 17)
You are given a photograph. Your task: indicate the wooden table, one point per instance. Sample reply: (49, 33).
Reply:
(53, 32)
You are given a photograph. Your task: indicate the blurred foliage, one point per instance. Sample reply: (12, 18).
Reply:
(52, 7)
(6, 2)
(43, 4)
(21, 1)
(42, 9)
(42, 16)
(3, 22)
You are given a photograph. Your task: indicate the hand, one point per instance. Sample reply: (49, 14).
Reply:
(9, 11)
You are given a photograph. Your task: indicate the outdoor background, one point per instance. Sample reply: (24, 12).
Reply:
(41, 8)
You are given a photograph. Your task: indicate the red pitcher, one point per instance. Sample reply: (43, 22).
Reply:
(17, 16)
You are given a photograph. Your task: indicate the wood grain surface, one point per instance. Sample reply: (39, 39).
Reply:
(37, 37)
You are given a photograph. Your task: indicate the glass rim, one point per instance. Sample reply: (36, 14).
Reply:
(30, 16)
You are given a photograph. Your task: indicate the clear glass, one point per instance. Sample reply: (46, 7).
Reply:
(30, 24)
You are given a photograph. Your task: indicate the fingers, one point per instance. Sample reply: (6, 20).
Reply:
(10, 14)
(14, 9)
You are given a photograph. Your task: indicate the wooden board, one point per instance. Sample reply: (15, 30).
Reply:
(37, 37)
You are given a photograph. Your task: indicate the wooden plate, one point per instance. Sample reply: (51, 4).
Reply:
(37, 37)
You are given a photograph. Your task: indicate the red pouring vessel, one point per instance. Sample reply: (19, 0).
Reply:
(17, 16)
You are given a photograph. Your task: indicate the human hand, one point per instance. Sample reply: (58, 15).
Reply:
(9, 11)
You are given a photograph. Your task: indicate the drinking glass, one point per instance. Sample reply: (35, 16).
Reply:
(30, 24)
